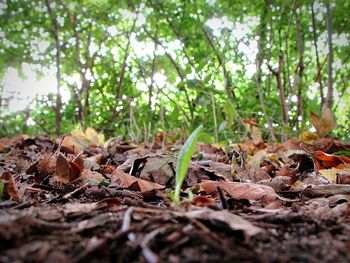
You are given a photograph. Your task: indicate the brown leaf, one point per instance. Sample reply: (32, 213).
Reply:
(325, 123)
(203, 201)
(250, 191)
(343, 178)
(324, 160)
(10, 189)
(133, 183)
(235, 222)
(309, 137)
(5, 144)
(327, 190)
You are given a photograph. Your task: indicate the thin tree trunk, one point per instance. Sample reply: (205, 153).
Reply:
(126, 55)
(55, 32)
(329, 99)
(319, 75)
(300, 70)
(278, 75)
(150, 88)
(291, 87)
(259, 60)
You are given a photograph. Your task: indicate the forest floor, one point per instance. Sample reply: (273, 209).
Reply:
(69, 200)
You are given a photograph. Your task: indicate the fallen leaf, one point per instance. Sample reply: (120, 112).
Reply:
(250, 191)
(73, 145)
(343, 177)
(326, 190)
(255, 132)
(308, 137)
(5, 144)
(324, 160)
(124, 180)
(203, 201)
(325, 123)
(10, 189)
(331, 174)
(235, 222)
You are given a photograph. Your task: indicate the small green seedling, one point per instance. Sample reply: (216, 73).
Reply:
(2, 185)
(98, 182)
(183, 162)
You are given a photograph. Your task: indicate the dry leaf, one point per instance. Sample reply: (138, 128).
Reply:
(309, 137)
(203, 201)
(72, 144)
(10, 189)
(343, 177)
(325, 123)
(324, 160)
(133, 183)
(331, 174)
(250, 191)
(235, 222)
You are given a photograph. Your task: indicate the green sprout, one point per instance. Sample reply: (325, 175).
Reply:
(2, 185)
(183, 163)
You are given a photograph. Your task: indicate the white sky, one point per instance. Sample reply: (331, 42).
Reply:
(25, 90)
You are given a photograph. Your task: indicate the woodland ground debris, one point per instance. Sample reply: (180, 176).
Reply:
(287, 204)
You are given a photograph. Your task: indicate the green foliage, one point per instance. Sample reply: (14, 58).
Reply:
(184, 161)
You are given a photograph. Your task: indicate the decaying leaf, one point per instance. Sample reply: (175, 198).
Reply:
(235, 222)
(325, 123)
(326, 190)
(10, 188)
(343, 177)
(331, 174)
(124, 180)
(79, 140)
(250, 191)
(203, 201)
(309, 137)
(324, 160)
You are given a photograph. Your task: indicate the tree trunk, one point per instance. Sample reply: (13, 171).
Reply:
(329, 99)
(319, 75)
(259, 60)
(55, 32)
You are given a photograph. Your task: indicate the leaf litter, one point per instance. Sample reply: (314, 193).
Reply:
(76, 199)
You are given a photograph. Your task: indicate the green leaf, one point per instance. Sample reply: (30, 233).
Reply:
(229, 111)
(206, 138)
(98, 182)
(2, 185)
(184, 161)
(344, 153)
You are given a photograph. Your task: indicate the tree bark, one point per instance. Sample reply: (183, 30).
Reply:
(329, 99)
(319, 75)
(55, 32)
(259, 60)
